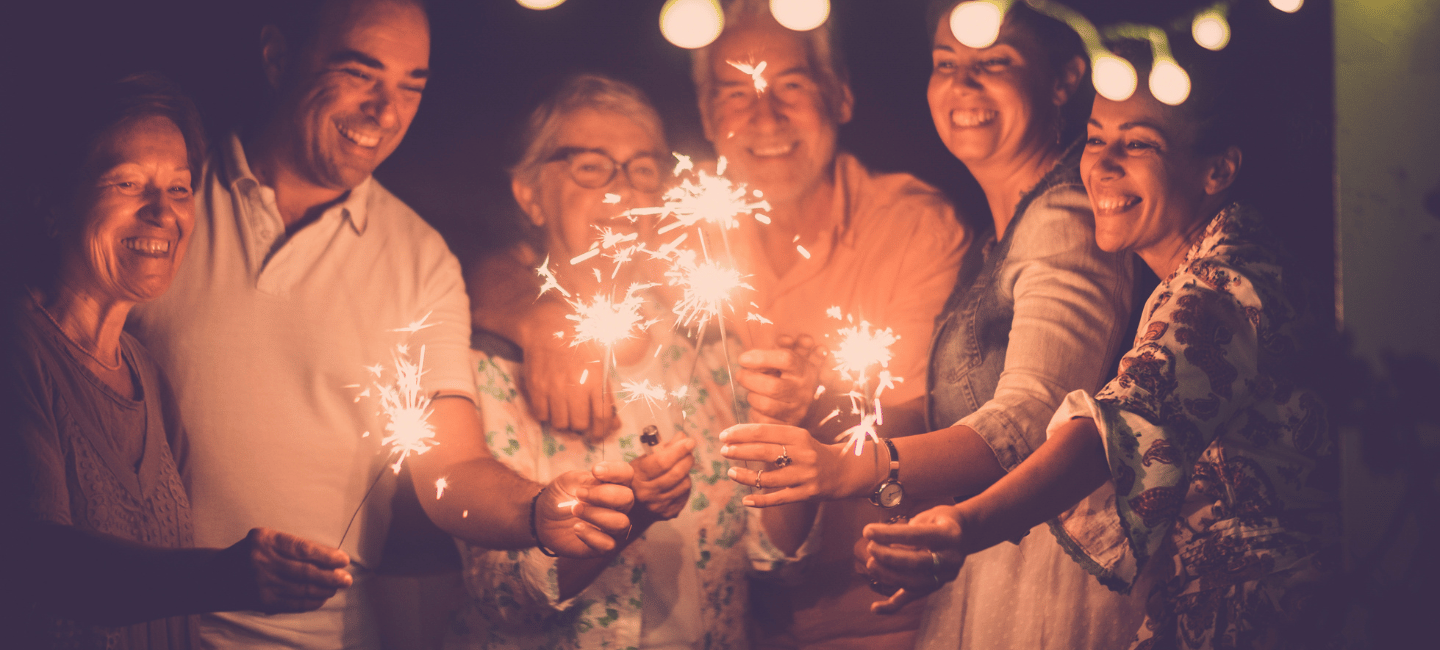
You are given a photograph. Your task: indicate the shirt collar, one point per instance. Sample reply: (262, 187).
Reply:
(241, 179)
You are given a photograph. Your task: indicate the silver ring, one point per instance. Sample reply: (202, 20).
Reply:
(757, 479)
(935, 559)
(783, 460)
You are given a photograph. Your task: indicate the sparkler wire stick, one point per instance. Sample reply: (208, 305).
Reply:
(373, 483)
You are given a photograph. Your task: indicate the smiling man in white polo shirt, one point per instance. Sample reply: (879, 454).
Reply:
(301, 270)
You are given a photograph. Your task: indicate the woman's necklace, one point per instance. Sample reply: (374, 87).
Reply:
(111, 367)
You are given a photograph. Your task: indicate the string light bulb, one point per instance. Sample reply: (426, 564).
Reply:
(691, 24)
(1287, 6)
(540, 4)
(1115, 78)
(800, 15)
(1169, 82)
(976, 23)
(1211, 30)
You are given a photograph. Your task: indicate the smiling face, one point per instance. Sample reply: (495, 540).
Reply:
(134, 213)
(572, 214)
(1149, 186)
(780, 140)
(996, 104)
(352, 93)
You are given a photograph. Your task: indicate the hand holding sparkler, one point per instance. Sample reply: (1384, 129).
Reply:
(662, 481)
(579, 514)
(783, 382)
(919, 556)
(815, 471)
(284, 573)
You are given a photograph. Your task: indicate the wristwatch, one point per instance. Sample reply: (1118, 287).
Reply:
(890, 492)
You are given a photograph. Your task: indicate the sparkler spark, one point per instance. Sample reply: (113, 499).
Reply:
(643, 390)
(416, 326)
(440, 485)
(707, 286)
(550, 281)
(754, 71)
(608, 322)
(860, 349)
(406, 408)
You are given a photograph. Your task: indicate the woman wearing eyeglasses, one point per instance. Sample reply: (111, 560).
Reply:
(592, 151)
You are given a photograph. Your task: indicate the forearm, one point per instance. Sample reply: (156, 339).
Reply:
(107, 580)
(789, 525)
(1069, 466)
(574, 575)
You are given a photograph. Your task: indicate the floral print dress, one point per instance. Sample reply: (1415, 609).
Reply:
(1218, 453)
(693, 567)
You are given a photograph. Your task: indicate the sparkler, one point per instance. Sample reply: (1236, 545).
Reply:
(406, 409)
(860, 349)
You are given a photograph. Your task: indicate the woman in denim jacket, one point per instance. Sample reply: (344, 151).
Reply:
(1037, 311)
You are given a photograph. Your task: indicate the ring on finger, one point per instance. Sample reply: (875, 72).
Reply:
(935, 561)
(783, 460)
(757, 479)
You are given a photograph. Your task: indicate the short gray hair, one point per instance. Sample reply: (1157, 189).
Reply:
(830, 69)
(576, 93)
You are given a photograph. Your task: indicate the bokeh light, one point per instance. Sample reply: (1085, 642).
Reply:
(1211, 30)
(1169, 83)
(1115, 78)
(1287, 6)
(540, 4)
(800, 15)
(976, 24)
(691, 24)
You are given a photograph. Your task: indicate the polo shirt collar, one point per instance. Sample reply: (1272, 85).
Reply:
(353, 209)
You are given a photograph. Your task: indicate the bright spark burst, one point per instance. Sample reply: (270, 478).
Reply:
(653, 394)
(860, 350)
(755, 72)
(404, 405)
(440, 485)
(550, 281)
(707, 287)
(707, 197)
(608, 322)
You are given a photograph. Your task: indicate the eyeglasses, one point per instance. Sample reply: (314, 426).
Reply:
(594, 169)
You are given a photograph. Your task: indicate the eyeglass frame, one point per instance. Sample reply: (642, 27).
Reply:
(568, 154)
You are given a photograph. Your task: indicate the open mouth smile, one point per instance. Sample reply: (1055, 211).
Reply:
(1114, 203)
(773, 151)
(367, 141)
(147, 246)
(970, 118)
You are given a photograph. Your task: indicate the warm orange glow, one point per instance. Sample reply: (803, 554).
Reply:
(977, 23)
(1287, 6)
(800, 15)
(606, 321)
(1211, 30)
(707, 286)
(405, 406)
(440, 485)
(1169, 83)
(1115, 78)
(540, 4)
(691, 24)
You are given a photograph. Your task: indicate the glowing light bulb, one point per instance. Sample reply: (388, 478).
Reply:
(1115, 78)
(800, 15)
(1169, 83)
(1287, 6)
(1211, 30)
(540, 4)
(976, 24)
(691, 24)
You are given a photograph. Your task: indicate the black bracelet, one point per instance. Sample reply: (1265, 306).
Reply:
(534, 532)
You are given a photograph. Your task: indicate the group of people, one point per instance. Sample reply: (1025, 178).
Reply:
(190, 461)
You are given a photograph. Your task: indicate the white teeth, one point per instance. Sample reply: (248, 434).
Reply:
(147, 246)
(368, 141)
(778, 150)
(1114, 202)
(972, 117)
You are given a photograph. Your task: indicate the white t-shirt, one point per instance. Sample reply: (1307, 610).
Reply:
(267, 340)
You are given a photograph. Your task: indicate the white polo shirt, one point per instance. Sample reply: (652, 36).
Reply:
(264, 339)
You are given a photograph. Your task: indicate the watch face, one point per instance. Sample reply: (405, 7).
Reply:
(890, 495)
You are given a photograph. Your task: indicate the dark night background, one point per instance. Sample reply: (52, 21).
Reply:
(492, 60)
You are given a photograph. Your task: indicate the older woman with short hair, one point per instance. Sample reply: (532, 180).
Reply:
(1209, 450)
(97, 534)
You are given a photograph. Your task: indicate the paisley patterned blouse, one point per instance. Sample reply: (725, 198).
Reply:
(693, 567)
(1217, 452)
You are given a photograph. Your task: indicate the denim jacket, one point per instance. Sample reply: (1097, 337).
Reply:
(1033, 316)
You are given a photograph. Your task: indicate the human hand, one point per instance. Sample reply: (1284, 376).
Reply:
(782, 381)
(918, 556)
(553, 368)
(289, 573)
(662, 481)
(814, 472)
(580, 514)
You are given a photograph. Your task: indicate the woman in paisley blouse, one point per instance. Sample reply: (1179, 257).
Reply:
(97, 534)
(595, 149)
(1213, 448)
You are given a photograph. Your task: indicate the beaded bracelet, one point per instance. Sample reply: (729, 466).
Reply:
(534, 532)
